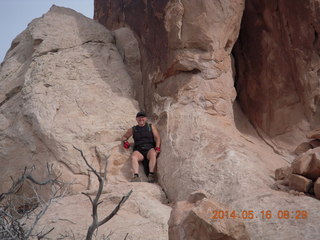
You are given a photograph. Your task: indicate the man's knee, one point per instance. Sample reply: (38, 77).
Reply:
(135, 157)
(152, 154)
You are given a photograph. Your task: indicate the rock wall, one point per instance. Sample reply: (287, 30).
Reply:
(277, 61)
(189, 90)
(63, 83)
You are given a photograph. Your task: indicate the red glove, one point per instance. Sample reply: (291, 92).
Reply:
(126, 144)
(157, 149)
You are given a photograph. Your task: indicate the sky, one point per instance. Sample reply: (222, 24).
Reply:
(16, 14)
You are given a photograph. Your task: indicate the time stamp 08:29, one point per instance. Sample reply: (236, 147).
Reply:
(264, 214)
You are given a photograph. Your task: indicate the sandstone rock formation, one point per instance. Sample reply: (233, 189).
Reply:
(193, 219)
(303, 174)
(143, 216)
(63, 83)
(188, 86)
(277, 61)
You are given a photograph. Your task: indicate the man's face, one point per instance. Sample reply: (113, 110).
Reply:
(141, 121)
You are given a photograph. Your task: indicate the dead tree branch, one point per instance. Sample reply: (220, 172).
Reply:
(19, 222)
(95, 202)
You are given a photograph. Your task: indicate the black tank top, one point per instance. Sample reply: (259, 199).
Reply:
(143, 136)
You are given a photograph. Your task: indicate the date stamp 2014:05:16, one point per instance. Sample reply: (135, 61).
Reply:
(264, 214)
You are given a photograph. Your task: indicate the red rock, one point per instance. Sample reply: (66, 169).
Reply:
(302, 148)
(275, 55)
(301, 164)
(308, 164)
(299, 183)
(315, 143)
(314, 134)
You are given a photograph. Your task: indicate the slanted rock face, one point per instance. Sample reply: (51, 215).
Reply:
(277, 59)
(190, 92)
(62, 83)
(143, 216)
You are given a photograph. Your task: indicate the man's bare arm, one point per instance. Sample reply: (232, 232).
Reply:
(127, 135)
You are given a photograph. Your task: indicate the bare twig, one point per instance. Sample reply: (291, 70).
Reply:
(13, 220)
(95, 202)
(40, 236)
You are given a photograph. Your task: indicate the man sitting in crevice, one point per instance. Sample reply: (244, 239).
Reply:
(146, 147)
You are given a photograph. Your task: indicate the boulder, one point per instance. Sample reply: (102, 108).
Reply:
(300, 183)
(63, 84)
(308, 164)
(194, 220)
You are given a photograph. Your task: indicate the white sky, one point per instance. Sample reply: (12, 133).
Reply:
(16, 14)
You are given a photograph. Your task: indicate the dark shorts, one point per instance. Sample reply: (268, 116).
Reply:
(144, 151)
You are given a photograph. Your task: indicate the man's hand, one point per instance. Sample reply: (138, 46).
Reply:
(126, 144)
(157, 149)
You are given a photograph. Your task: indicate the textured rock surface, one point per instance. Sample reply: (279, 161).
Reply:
(188, 84)
(299, 183)
(65, 84)
(308, 164)
(192, 220)
(282, 173)
(143, 216)
(314, 134)
(302, 148)
(277, 58)
(128, 48)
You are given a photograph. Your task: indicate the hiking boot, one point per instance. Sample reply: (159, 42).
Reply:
(135, 179)
(151, 178)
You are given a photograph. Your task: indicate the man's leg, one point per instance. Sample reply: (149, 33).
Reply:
(136, 157)
(152, 157)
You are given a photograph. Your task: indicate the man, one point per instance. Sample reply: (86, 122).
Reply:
(146, 146)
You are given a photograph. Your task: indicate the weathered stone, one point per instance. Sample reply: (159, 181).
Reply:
(129, 50)
(317, 188)
(308, 164)
(299, 183)
(282, 173)
(192, 221)
(302, 148)
(314, 134)
(277, 56)
(143, 216)
(315, 143)
(301, 164)
(207, 143)
(282, 185)
(59, 78)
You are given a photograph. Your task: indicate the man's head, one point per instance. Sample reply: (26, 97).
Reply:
(141, 118)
